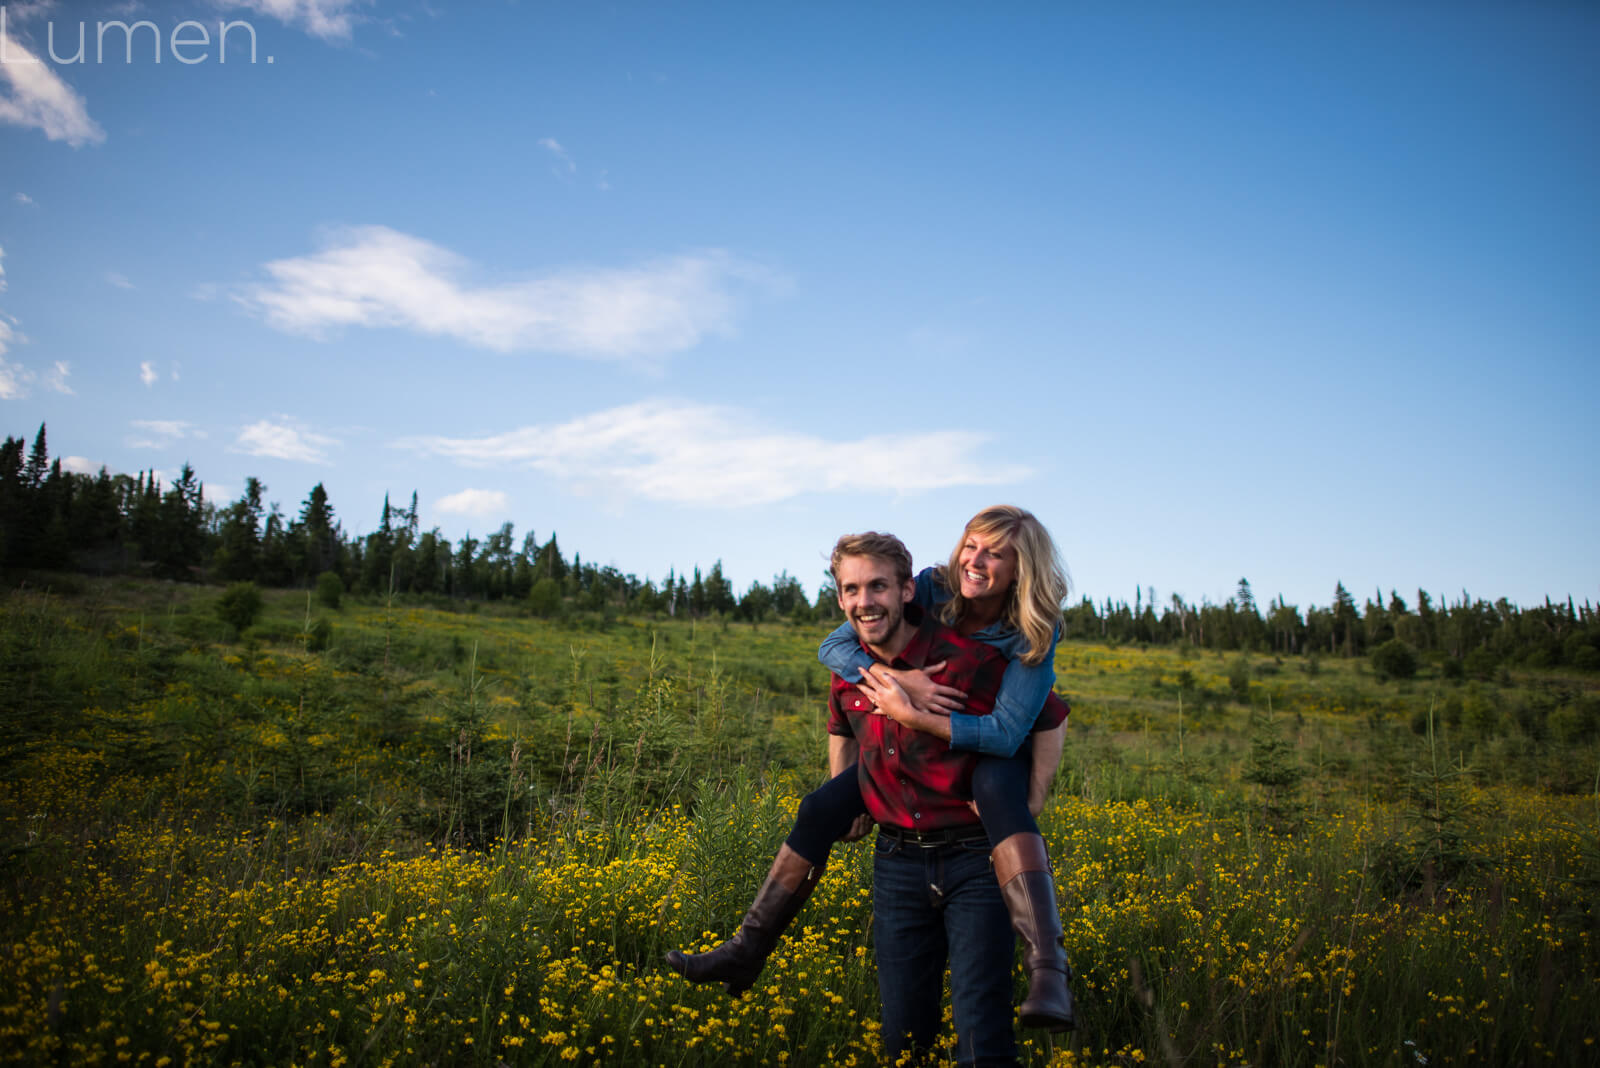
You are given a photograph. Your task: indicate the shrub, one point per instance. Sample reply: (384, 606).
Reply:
(1239, 679)
(240, 605)
(330, 589)
(1394, 659)
(544, 600)
(1480, 664)
(320, 634)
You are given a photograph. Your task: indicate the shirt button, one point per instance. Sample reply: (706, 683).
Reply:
(891, 750)
(916, 815)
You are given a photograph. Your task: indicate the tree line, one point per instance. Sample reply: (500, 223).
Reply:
(1467, 635)
(51, 519)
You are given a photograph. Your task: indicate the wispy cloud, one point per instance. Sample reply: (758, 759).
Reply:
(331, 20)
(32, 95)
(118, 280)
(566, 166)
(159, 433)
(17, 381)
(14, 377)
(709, 456)
(79, 465)
(147, 372)
(473, 502)
(21, 198)
(56, 378)
(8, 337)
(372, 276)
(284, 439)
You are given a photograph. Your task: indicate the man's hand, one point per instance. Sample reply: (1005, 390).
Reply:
(858, 829)
(1046, 758)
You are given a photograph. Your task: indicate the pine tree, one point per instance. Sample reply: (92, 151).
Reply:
(239, 549)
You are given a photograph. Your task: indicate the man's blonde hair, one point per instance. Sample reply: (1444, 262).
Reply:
(884, 546)
(1033, 604)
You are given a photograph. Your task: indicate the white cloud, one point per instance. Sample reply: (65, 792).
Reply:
(473, 502)
(8, 337)
(555, 149)
(159, 433)
(79, 465)
(33, 95)
(373, 276)
(118, 280)
(14, 377)
(56, 378)
(331, 20)
(147, 372)
(717, 457)
(284, 440)
(22, 198)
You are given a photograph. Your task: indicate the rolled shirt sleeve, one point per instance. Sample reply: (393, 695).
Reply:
(841, 653)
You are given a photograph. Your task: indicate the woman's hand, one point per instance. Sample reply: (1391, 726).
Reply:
(890, 699)
(924, 693)
(888, 696)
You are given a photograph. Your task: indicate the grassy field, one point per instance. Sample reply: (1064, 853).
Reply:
(420, 833)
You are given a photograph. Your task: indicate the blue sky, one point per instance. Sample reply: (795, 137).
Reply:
(1304, 294)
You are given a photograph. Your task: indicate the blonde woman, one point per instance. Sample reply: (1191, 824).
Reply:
(1004, 585)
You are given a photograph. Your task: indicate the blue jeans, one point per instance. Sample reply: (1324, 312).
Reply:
(930, 906)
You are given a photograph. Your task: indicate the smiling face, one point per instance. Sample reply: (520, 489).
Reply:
(988, 568)
(874, 602)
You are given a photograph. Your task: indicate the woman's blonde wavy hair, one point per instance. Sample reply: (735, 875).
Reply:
(1033, 605)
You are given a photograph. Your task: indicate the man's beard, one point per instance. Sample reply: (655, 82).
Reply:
(893, 616)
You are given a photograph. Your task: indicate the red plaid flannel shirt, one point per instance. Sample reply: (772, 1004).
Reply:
(910, 779)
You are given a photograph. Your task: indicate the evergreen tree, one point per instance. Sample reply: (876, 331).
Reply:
(239, 548)
(276, 565)
(719, 591)
(11, 500)
(180, 531)
(1344, 621)
(316, 535)
(38, 465)
(697, 595)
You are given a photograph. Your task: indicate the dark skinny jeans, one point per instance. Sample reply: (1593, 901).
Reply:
(999, 786)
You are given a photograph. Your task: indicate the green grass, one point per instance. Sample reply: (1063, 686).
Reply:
(468, 836)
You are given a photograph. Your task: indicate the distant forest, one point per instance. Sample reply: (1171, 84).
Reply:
(55, 520)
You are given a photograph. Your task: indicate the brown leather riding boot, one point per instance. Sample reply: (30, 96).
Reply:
(1022, 868)
(737, 963)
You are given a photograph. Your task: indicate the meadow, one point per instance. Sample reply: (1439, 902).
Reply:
(424, 831)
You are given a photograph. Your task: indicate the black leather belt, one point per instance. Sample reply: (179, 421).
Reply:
(945, 836)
